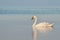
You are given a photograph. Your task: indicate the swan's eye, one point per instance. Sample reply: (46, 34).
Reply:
(32, 18)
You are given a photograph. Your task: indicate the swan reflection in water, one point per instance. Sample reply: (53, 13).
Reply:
(42, 27)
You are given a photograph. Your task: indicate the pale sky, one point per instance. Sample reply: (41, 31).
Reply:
(29, 3)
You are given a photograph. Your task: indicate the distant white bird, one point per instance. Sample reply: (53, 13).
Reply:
(42, 27)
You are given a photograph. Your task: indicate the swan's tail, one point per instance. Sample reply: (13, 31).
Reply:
(51, 25)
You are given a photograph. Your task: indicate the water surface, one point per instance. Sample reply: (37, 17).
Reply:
(19, 27)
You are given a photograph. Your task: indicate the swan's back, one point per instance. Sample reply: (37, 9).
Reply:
(44, 26)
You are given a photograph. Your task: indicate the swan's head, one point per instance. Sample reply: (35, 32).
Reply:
(34, 17)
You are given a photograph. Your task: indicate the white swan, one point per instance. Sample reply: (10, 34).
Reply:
(42, 27)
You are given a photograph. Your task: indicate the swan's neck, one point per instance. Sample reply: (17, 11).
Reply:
(34, 30)
(35, 22)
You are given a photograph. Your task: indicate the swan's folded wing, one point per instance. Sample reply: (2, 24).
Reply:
(44, 27)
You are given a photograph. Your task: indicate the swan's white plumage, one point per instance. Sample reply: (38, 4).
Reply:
(42, 27)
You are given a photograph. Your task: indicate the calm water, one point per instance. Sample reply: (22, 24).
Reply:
(19, 26)
(31, 11)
